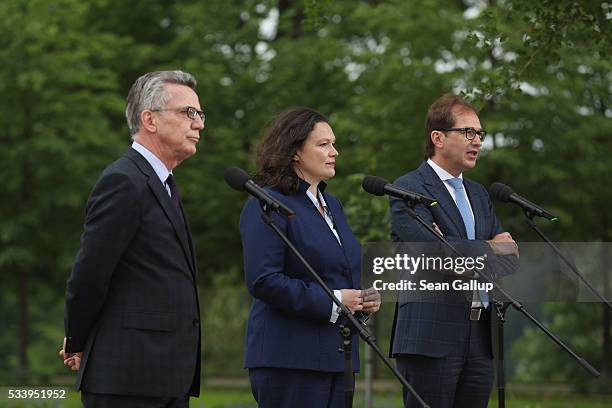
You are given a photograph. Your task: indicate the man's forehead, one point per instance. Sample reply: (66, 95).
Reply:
(183, 93)
(461, 113)
(179, 89)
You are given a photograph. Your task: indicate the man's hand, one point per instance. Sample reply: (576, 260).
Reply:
(72, 360)
(503, 244)
(437, 229)
(371, 300)
(351, 298)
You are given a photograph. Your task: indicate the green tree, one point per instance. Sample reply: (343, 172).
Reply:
(538, 72)
(546, 87)
(57, 97)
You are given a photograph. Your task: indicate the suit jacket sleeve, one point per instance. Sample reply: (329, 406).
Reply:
(112, 219)
(264, 265)
(499, 266)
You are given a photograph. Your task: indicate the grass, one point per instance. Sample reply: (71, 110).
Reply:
(242, 398)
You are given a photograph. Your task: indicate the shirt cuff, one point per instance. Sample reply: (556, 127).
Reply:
(335, 310)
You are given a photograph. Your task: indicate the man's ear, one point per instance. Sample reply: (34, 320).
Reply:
(436, 138)
(147, 121)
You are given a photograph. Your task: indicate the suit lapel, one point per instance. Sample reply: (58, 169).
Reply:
(163, 199)
(438, 190)
(315, 210)
(191, 247)
(340, 230)
(179, 227)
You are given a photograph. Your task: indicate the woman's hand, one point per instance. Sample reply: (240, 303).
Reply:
(371, 300)
(351, 298)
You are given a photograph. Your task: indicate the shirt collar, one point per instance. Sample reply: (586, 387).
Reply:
(160, 168)
(443, 174)
(314, 199)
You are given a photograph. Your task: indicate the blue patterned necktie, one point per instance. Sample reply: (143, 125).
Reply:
(463, 206)
(468, 221)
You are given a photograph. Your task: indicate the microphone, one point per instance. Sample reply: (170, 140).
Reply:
(379, 186)
(505, 194)
(240, 180)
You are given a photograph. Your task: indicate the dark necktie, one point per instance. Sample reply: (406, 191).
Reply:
(174, 195)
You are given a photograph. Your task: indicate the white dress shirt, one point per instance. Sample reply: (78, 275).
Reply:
(330, 223)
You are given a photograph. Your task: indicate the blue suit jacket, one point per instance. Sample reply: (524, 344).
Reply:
(432, 329)
(289, 324)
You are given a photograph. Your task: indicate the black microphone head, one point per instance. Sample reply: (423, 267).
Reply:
(374, 185)
(236, 177)
(500, 192)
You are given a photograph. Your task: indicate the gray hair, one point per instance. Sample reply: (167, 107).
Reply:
(149, 92)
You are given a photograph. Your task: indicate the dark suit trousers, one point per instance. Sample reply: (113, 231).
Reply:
(93, 400)
(462, 379)
(291, 388)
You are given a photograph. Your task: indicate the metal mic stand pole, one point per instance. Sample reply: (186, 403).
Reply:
(511, 302)
(529, 218)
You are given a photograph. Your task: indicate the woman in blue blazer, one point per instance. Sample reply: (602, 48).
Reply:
(292, 336)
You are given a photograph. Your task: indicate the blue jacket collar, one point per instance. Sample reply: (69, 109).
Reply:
(304, 185)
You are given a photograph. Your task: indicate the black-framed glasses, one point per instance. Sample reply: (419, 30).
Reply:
(469, 132)
(191, 112)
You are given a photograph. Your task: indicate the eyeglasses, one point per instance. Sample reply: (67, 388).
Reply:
(192, 113)
(469, 132)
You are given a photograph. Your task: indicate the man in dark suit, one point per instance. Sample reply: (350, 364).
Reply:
(132, 318)
(443, 346)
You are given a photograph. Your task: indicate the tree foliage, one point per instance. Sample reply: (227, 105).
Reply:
(539, 72)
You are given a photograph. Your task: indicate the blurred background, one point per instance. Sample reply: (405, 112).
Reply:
(539, 71)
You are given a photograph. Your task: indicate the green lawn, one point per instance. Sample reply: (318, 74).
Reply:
(232, 398)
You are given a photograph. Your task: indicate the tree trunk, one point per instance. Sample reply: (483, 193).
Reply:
(24, 325)
(606, 265)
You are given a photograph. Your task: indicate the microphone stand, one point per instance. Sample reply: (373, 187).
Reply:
(529, 215)
(501, 310)
(500, 314)
(345, 330)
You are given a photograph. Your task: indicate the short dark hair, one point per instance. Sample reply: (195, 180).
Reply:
(441, 115)
(284, 136)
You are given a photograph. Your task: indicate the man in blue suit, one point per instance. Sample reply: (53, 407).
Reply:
(443, 348)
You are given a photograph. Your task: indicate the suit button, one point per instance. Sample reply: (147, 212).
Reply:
(196, 322)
